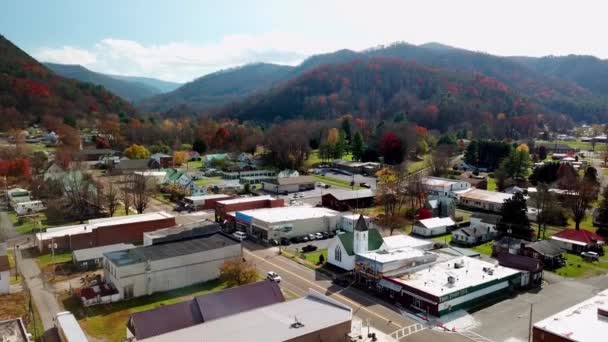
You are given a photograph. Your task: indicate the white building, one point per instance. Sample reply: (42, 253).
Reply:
(18, 195)
(584, 322)
(483, 199)
(286, 222)
(444, 187)
(348, 222)
(68, 328)
(482, 229)
(385, 262)
(344, 247)
(153, 177)
(406, 241)
(164, 267)
(433, 226)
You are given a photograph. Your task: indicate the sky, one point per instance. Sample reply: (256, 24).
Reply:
(180, 40)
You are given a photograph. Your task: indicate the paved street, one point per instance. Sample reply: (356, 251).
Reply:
(298, 279)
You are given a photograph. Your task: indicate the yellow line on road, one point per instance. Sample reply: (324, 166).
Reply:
(354, 304)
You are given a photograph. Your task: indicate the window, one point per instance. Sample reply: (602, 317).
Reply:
(338, 254)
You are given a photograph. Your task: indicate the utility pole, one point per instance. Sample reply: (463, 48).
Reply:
(530, 324)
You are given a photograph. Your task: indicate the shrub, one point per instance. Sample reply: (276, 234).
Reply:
(321, 259)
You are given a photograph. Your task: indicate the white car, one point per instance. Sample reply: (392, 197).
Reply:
(273, 276)
(239, 235)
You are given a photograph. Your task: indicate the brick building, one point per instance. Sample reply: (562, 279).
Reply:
(222, 208)
(102, 232)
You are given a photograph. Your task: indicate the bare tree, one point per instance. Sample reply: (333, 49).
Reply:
(125, 196)
(542, 200)
(111, 199)
(78, 189)
(440, 160)
(580, 197)
(141, 193)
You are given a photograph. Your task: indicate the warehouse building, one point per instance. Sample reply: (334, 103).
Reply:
(284, 185)
(314, 317)
(443, 187)
(164, 267)
(222, 208)
(181, 232)
(92, 258)
(205, 202)
(451, 285)
(286, 222)
(433, 226)
(483, 199)
(346, 200)
(102, 232)
(203, 308)
(584, 322)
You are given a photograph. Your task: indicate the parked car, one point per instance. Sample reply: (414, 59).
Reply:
(309, 248)
(179, 208)
(273, 276)
(312, 237)
(285, 241)
(239, 235)
(274, 242)
(326, 235)
(364, 185)
(590, 256)
(319, 236)
(304, 238)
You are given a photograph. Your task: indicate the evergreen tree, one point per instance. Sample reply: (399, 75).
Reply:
(358, 147)
(514, 220)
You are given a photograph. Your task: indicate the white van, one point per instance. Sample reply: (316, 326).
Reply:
(30, 207)
(239, 235)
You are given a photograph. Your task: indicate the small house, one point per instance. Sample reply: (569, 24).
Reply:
(577, 241)
(433, 226)
(473, 235)
(547, 251)
(531, 269)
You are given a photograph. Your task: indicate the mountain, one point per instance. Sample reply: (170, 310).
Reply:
(160, 86)
(384, 88)
(128, 90)
(219, 88)
(29, 91)
(587, 71)
(554, 92)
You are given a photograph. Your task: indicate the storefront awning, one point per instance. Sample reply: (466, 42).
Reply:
(389, 285)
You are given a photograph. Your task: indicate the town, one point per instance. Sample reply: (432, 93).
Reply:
(174, 245)
(303, 171)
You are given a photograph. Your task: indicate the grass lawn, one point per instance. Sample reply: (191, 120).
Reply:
(195, 164)
(17, 305)
(335, 182)
(418, 165)
(162, 197)
(485, 248)
(207, 181)
(583, 146)
(576, 267)
(313, 257)
(29, 225)
(605, 172)
(108, 322)
(48, 259)
(313, 158)
(491, 184)
(446, 238)
(15, 277)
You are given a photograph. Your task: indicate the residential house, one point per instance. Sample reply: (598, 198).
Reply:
(184, 181)
(149, 269)
(441, 206)
(132, 165)
(473, 235)
(444, 187)
(93, 155)
(208, 158)
(194, 156)
(13, 330)
(433, 226)
(164, 160)
(577, 241)
(343, 248)
(531, 269)
(204, 308)
(482, 199)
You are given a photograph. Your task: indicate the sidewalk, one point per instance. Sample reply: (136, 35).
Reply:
(43, 296)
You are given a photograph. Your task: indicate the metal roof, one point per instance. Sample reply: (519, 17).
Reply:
(343, 195)
(97, 252)
(279, 322)
(70, 327)
(170, 250)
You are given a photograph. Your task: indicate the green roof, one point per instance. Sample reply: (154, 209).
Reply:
(374, 241)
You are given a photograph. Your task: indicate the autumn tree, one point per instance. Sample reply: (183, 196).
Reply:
(180, 157)
(517, 164)
(390, 195)
(440, 160)
(79, 190)
(391, 148)
(137, 152)
(238, 272)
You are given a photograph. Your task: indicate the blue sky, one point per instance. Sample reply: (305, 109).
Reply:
(183, 39)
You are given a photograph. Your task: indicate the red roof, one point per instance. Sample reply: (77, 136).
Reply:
(583, 236)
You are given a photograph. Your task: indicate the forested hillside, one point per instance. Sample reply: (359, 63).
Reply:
(30, 91)
(384, 88)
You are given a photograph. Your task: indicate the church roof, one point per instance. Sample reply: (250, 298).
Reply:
(361, 224)
(374, 241)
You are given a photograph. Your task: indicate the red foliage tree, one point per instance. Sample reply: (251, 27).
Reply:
(424, 214)
(391, 148)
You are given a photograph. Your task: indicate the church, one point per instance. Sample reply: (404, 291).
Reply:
(343, 248)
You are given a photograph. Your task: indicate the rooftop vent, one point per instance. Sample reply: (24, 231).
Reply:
(602, 312)
(451, 280)
(459, 264)
(297, 324)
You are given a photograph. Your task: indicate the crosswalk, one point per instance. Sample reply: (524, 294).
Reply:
(474, 336)
(407, 331)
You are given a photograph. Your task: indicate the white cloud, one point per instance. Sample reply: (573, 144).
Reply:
(184, 61)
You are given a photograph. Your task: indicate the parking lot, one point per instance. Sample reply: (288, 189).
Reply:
(321, 244)
(342, 175)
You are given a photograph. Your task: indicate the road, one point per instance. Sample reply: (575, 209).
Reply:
(298, 279)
